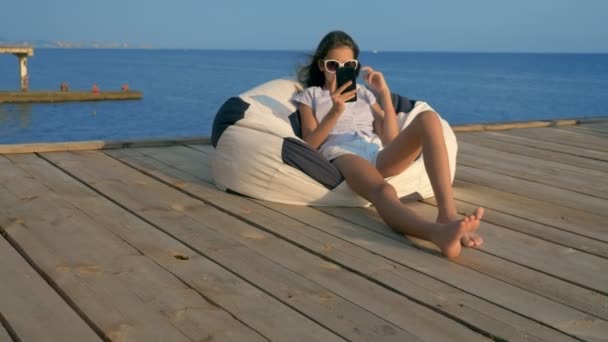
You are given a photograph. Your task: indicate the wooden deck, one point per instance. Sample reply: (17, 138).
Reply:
(136, 244)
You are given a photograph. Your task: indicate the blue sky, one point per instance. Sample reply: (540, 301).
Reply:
(429, 25)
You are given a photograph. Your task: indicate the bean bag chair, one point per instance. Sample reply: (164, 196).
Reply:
(259, 152)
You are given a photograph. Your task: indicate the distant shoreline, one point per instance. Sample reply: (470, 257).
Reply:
(375, 52)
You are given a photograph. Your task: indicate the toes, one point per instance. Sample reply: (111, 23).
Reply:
(479, 213)
(471, 240)
(466, 241)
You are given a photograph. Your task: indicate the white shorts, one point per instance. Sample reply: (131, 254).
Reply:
(365, 146)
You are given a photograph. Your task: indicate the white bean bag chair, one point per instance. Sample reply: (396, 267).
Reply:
(258, 152)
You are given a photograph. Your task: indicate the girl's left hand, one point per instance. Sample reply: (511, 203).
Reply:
(375, 79)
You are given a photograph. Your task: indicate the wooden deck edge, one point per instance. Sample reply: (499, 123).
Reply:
(527, 124)
(99, 145)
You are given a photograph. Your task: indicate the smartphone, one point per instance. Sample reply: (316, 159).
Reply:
(345, 74)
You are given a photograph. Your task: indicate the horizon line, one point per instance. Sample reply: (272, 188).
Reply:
(374, 51)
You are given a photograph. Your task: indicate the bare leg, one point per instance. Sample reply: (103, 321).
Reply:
(367, 181)
(425, 134)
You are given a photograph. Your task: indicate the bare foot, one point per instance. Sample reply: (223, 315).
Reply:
(471, 239)
(450, 236)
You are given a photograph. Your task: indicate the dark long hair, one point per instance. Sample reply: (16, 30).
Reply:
(309, 74)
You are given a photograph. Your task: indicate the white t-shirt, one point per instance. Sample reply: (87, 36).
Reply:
(357, 117)
(353, 132)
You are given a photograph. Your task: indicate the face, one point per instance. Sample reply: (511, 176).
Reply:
(340, 54)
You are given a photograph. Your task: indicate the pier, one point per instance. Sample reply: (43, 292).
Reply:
(132, 241)
(27, 96)
(61, 96)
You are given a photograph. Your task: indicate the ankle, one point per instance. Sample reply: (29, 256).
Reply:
(448, 211)
(435, 232)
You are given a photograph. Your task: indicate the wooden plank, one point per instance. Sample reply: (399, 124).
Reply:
(97, 145)
(528, 227)
(206, 165)
(501, 126)
(34, 311)
(534, 190)
(513, 125)
(589, 129)
(125, 295)
(576, 179)
(574, 221)
(549, 146)
(602, 123)
(600, 127)
(490, 141)
(411, 281)
(563, 137)
(292, 286)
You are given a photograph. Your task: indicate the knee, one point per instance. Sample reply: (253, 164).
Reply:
(384, 190)
(428, 123)
(429, 119)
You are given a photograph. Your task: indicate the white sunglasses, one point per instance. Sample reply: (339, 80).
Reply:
(331, 65)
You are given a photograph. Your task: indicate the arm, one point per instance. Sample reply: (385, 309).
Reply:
(315, 133)
(384, 113)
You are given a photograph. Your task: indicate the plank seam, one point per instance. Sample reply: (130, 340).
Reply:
(9, 329)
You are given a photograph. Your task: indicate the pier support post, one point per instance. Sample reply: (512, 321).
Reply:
(22, 52)
(25, 84)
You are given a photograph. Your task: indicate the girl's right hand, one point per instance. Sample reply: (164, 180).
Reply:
(338, 98)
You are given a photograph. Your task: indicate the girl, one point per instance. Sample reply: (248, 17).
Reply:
(363, 141)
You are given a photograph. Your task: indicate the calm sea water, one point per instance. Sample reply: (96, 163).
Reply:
(184, 89)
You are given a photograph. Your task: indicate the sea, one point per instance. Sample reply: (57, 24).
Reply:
(183, 89)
